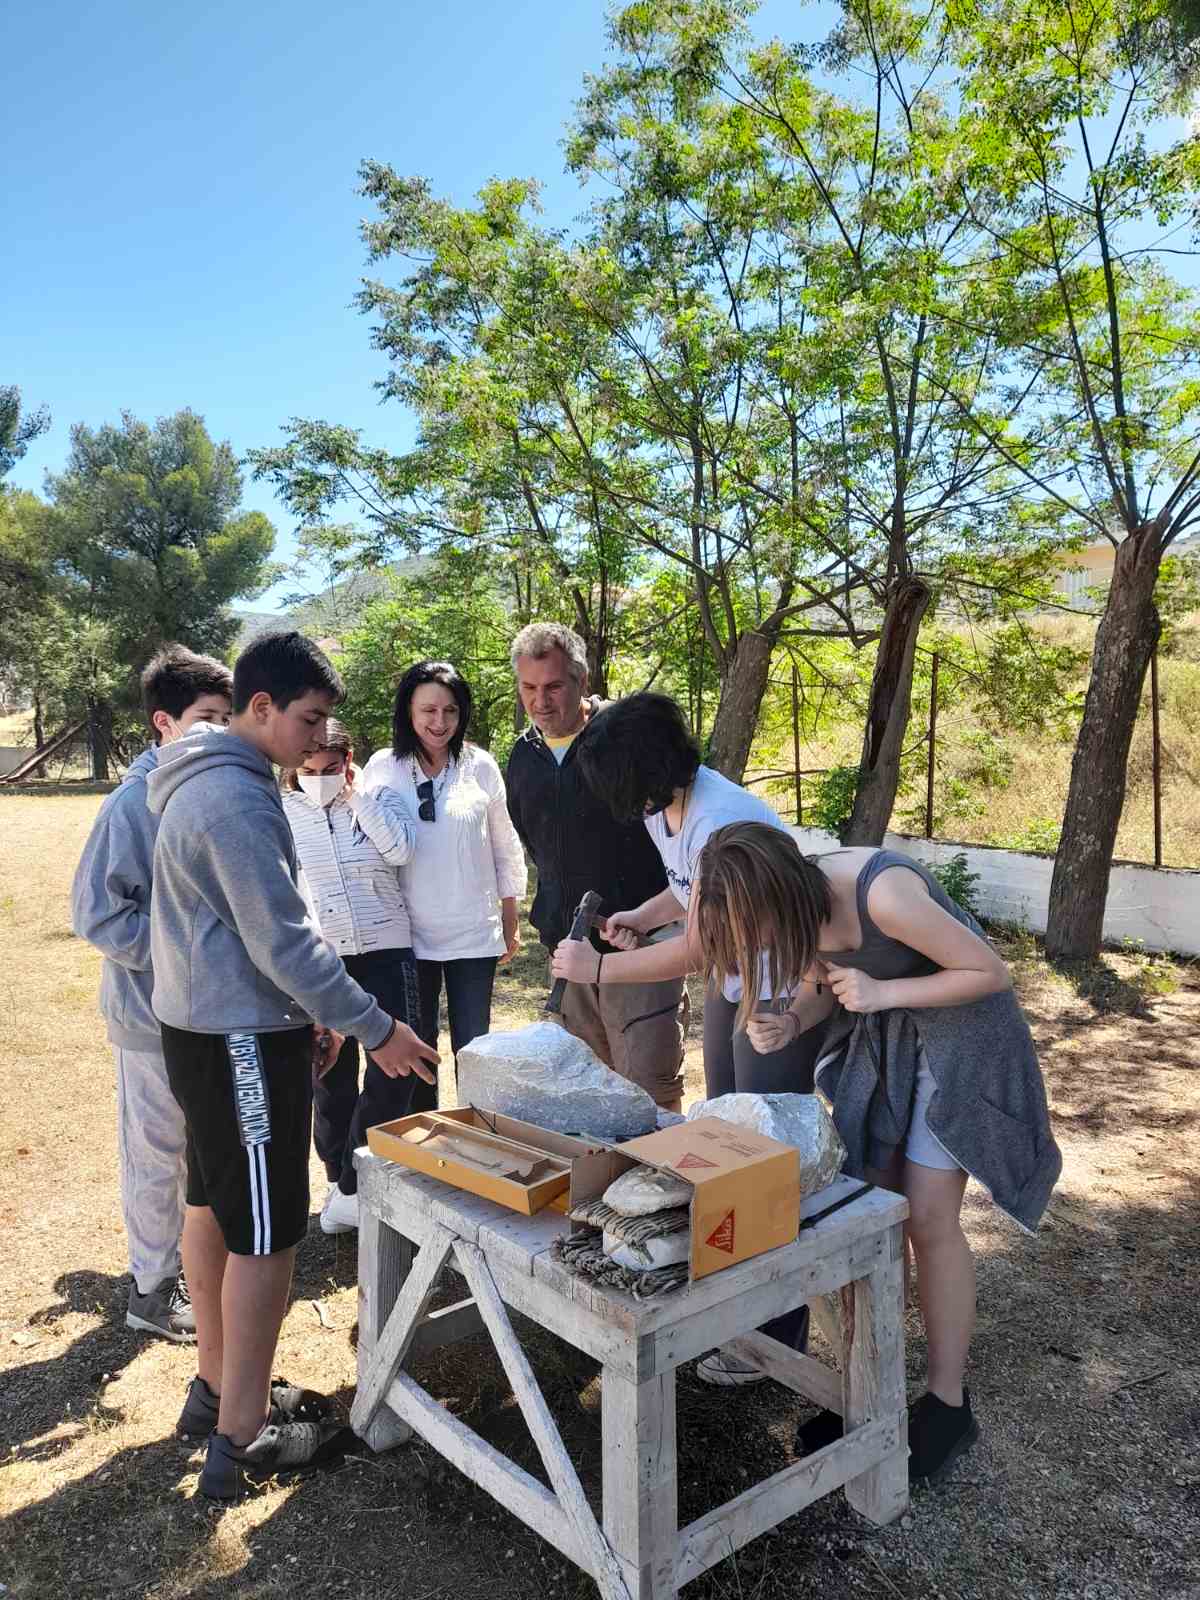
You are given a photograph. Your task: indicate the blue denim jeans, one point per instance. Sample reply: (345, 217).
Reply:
(468, 986)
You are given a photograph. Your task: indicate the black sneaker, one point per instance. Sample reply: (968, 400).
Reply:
(284, 1449)
(166, 1310)
(198, 1419)
(938, 1435)
(817, 1432)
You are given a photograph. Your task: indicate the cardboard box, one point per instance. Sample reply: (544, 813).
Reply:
(746, 1187)
(499, 1158)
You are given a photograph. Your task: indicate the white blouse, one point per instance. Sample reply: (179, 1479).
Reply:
(464, 862)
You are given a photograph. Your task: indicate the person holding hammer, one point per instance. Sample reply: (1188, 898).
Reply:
(576, 843)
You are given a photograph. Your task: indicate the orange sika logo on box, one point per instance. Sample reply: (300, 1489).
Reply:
(721, 1238)
(746, 1188)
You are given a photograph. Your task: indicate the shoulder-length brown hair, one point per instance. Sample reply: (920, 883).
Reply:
(757, 895)
(335, 739)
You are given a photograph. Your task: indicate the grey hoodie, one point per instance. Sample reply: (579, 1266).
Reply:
(232, 939)
(110, 906)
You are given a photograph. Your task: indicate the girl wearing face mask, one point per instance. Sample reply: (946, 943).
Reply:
(350, 845)
(467, 875)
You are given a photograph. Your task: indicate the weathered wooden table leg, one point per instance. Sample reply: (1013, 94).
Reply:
(385, 1260)
(641, 1513)
(873, 1382)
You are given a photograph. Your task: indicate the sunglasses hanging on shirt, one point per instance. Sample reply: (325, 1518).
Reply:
(428, 791)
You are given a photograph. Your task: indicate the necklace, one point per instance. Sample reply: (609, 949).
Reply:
(439, 783)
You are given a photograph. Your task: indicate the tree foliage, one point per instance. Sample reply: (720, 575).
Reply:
(17, 430)
(142, 542)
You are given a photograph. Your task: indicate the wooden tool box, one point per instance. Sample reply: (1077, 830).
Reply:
(500, 1158)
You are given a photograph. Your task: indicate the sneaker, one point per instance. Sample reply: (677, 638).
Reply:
(938, 1435)
(817, 1432)
(280, 1449)
(724, 1372)
(198, 1419)
(339, 1214)
(166, 1310)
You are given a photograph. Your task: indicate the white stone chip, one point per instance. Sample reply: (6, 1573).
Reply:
(642, 1191)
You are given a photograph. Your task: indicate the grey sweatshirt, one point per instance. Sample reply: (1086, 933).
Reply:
(110, 906)
(232, 939)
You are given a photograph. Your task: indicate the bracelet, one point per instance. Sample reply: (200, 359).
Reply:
(600, 967)
(388, 1035)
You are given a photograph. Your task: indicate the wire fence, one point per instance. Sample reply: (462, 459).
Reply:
(798, 774)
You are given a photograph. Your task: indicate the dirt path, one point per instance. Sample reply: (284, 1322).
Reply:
(1085, 1370)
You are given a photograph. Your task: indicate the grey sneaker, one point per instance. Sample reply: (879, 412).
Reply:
(282, 1449)
(724, 1372)
(289, 1403)
(166, 1310)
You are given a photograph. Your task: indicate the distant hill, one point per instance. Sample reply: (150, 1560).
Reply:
(337, 610)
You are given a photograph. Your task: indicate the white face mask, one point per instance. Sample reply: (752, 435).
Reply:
(323, 790)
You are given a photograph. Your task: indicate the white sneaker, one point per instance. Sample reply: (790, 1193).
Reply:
(725, 1372)
(339, 1214)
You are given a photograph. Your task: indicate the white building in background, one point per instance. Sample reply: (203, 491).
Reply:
(1092, 569)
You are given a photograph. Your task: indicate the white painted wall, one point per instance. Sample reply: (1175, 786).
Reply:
(1159, 907)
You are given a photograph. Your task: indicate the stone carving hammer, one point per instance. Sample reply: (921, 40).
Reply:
(581, 924)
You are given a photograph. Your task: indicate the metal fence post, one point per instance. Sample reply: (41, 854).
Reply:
(932, 746)
(796, 742)
(1156, 766)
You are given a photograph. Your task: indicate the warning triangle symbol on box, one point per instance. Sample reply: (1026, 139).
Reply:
(692, 1161)
(721, 1238)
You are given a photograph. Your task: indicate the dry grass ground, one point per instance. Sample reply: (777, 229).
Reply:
(1085, 1375)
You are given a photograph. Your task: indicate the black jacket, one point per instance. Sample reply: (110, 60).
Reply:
(574, 841)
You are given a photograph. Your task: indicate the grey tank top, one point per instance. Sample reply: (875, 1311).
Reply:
(879, 955)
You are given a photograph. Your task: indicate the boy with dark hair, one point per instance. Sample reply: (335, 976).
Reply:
(241, 971)
(110, 908)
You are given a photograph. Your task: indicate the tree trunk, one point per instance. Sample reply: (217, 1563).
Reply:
(99, 737)
(888, 713)
(1125, 640)
(742, 690)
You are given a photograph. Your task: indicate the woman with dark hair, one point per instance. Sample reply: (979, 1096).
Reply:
(927, 1061)
(640, 759)
(350, 846)
(465, 879)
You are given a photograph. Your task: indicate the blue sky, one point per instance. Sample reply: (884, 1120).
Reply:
(179, 199)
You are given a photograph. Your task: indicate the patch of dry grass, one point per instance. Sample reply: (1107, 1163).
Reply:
(1016, 795)
(1086, 1483)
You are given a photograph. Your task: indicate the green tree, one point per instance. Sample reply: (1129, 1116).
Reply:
(862, 213)
(17, 432)
(453, 610)
(1104, 194)
(151, 546)
(487, 350)
(25, 564)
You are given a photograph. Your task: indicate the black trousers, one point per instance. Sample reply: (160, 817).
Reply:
(733, 1066)
(342, 1112)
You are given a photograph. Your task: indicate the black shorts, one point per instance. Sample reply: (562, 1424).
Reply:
(247, 1102)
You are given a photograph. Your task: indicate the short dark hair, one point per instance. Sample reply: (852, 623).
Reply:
(634, 754)
(404, 738)
(175, 678)
(285, 666)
